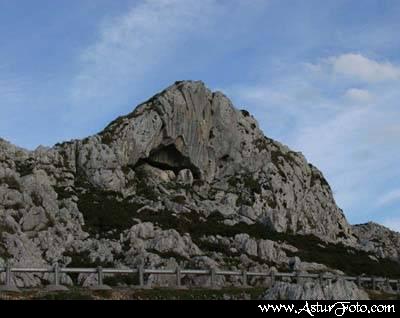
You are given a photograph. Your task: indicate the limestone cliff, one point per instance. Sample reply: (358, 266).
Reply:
(185, 178)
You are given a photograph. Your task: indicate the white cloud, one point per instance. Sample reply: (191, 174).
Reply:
(353, 140)
(359, 95)
(388, 198)
(136, 42)
(362, 68)
(159, 39)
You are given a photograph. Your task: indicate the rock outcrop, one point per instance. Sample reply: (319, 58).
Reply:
(378, 239)
(185, 178)
(339, 290)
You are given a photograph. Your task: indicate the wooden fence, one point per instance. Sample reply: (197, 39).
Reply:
(141, 272)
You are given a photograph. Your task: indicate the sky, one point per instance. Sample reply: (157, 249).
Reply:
(322, 77)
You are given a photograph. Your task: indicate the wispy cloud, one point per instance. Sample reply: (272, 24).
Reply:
(346, 127)
(388, 198)
(155, 36)
(359, 95)
(159, 36)
(136, 42)
(363, 68)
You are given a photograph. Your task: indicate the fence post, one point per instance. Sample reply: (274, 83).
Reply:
(178, 277)
(273, 278)
(398, 286)
(388, 283)
(297, 278)
(56, 287)
(359, 284)
(100, 285)
(100, 275)
(141, 276)
(321, 279)
(8, 286)
(373, 283)
(244, 279)
(212, 277)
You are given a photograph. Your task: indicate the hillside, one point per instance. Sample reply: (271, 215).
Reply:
(188, 179)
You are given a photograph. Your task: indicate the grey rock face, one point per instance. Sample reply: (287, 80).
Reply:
(186, 178)
(188, 128)
(339, 290)
(378, 239)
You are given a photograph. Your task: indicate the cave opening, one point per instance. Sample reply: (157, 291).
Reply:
(170, 158)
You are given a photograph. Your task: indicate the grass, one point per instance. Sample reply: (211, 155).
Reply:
(148, 294)
(198, 294)
(73, 294)
(379, 295)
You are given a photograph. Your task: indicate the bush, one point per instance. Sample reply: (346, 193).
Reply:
(24, 168)
(105, 215)
(121, 280)
(11, 181)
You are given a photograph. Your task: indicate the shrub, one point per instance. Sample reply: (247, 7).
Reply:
(11, 181)
(105, 215)
(121, 280)
(24, 168)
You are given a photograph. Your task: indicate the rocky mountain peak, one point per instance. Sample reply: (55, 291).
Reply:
(186, 126)
(186, 177)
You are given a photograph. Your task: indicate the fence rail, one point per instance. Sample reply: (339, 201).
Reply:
(140, 272)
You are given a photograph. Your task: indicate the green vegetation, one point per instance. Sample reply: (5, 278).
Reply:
(4, 254)
(105, 214)
(73, 294)
(245, 113)
(143, 188)
(198, 294)
(339, 256)
(63, 193)
(11, 181)
(148, 294)
(121, 280)
(24, 168)
(83, 260)
(246, 186)
(311, 249)
(180, 199)
(317, 178)
(261, 144)
(169, 254)
(379, 295)
(252, 184)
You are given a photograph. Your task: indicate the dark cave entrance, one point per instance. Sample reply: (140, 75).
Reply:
(170, 158)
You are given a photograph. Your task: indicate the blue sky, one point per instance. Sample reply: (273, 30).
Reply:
(320, 76)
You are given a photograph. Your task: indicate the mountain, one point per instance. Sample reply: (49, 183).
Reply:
(185, 178)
